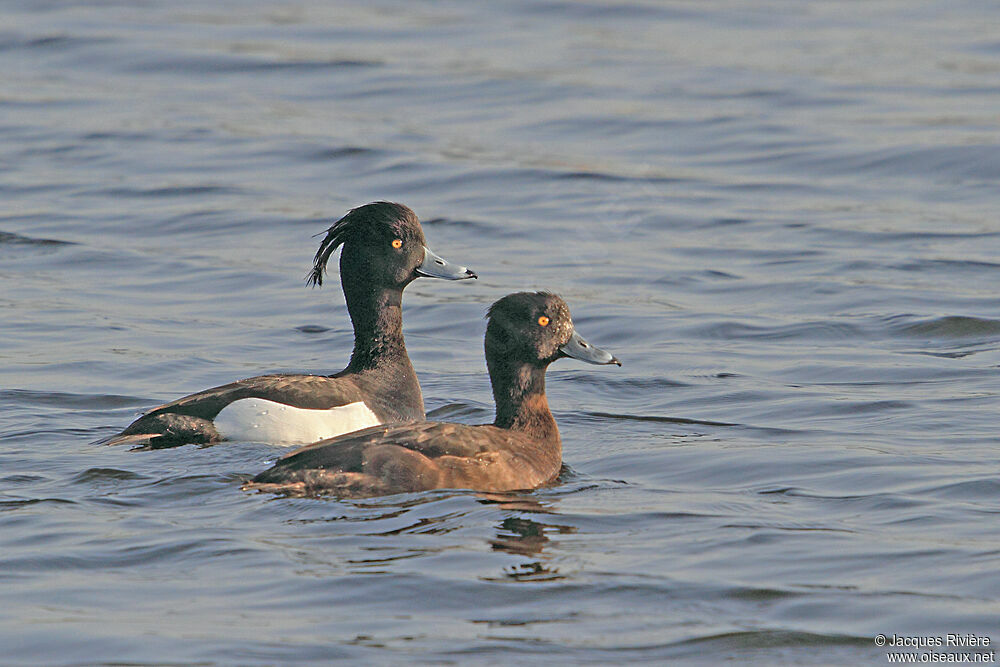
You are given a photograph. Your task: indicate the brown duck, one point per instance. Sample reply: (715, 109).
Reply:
(520, 450)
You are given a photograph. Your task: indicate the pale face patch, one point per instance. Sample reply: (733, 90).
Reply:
(260, 420)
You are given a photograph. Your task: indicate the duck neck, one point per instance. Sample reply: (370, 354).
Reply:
(377, 316)
(519, 392)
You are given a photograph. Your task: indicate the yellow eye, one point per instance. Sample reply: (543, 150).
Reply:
(397, 244)
(543, 321)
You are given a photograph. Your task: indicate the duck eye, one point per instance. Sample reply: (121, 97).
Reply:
(543, 321)
(397, 244)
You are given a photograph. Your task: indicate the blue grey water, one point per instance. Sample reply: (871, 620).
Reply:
(782, 216)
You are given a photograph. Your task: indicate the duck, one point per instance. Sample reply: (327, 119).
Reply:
(384, 250)
(521, 450)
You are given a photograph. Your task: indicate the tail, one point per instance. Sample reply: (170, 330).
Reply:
(306, 483)
(136, 440)
(165, 429)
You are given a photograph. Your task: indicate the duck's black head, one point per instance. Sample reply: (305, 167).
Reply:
(384, 245)
(535, 328)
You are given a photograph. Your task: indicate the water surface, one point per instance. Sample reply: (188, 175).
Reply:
(781, 216)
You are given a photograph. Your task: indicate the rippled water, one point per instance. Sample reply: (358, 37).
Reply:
(781, 216)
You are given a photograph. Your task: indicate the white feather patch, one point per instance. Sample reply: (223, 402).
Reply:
(260, 420)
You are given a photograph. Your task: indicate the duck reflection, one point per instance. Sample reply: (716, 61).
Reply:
(521, 536)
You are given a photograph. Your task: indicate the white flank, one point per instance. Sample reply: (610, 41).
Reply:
(260, 420)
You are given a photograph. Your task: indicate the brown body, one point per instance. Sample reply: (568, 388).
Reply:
(417, 457)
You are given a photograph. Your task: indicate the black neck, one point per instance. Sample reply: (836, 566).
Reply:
(378, 327)
(519, 392)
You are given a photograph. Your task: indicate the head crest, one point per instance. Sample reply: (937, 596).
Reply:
(381, 211)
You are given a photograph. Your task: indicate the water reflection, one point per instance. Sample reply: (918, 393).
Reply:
(521, 536)
(517, 535)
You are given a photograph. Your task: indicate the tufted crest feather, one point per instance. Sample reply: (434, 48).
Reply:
(335, 236)
(385, 214)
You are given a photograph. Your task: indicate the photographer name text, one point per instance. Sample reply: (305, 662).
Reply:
(949, 640)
